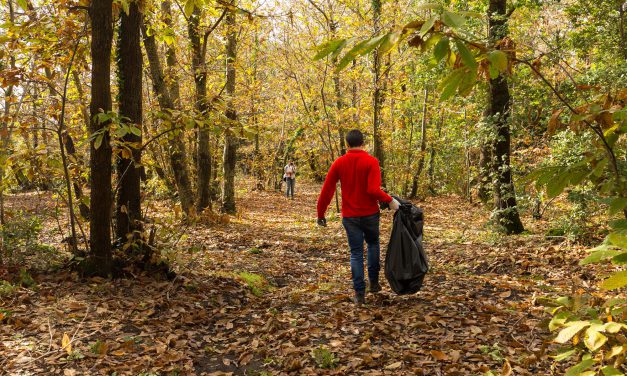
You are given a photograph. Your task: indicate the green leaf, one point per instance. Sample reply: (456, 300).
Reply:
(453, 20)
(472, 14)
(390, 40)
(611, 371)
(467, 56)
(618, 238)
(617, 205)
(563, 355)
(599, 256)
(593, 339)
(136, 131)
(571, 329)
(189, 8)
(615, 281)
(427, 6)
(362, 48)
(494, 73)
(613, 327)
(559, 320)
(329, 47)
(441, 49)
(498, 60)
(98, 141)
(427, 26)
(433, 39)
(619, 224)
(620, 259)
(588, 373)
(468, 82)
(579, 368)
(23, 4)
(450, 83)
(557, 185)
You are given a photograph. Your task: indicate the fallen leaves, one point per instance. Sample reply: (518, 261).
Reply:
(475, 313)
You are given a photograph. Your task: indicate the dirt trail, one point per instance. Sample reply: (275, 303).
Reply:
(268, 293)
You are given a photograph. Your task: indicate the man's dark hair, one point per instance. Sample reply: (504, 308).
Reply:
(354, 138)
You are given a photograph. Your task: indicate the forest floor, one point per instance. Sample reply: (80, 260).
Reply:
(268, 293)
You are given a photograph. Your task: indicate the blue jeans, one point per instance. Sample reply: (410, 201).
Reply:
(290, 187)
(359, 229)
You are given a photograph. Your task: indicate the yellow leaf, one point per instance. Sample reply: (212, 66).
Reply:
(66, 344)
(507, 369)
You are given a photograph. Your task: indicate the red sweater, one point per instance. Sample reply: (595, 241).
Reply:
(360, 177)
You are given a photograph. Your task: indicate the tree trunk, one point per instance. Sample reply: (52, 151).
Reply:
(354, 96)
(431, 172)
(100, 157)
(128, 208)
(337, 88)
(230, 140)
(203, 160)
(499, 111)
(423, 146)
(177, 153)
(377, 96)
(485, 170)
(621, 28)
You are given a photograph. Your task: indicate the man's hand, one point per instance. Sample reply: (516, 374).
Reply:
(322, 222)
(394, 205)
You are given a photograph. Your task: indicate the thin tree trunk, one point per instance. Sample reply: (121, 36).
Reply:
(423, 146)
(621, 27)
(485, 170)
(70, 149)
(377, 96)
(230, 140)
(431, 171)
(79, 88)
(203, 157)
(101, 12)
(177, 153)
(506, 212)
(128, 208)
(78, 180)
(4, 128)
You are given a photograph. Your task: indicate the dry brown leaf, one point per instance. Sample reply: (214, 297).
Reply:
(439, 355)
(395, 365)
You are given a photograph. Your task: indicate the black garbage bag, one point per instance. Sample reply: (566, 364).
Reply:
(406, 261)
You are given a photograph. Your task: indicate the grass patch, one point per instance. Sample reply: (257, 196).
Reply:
(324, 358)
(257, 284)
(255, 251)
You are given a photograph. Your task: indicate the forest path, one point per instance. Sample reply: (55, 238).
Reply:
(475, 312)
(268, 294)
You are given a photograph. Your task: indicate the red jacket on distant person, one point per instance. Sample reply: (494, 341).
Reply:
(360, 178)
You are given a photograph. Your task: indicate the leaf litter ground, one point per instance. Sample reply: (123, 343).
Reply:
(268, 293)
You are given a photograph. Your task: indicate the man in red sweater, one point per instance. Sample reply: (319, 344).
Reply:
(360, 178)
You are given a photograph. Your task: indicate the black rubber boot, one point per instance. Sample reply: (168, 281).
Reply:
(374, 287)
(359, 298)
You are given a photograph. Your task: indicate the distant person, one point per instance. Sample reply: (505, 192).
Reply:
(360, 179)
(290, 179)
